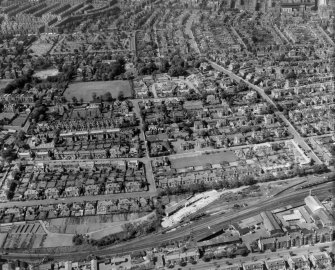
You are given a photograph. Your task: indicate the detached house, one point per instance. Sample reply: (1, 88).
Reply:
(298, 262)
(72, 192)
(276, 264)
(253, 265)
(320, 260)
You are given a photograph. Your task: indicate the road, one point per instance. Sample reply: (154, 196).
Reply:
(297, 137)
(296, 197)
(146, 160)
(152, 188)
(156, 40)
(188, 31)
(80, 199)
(148, 170)
(133, 42)
(285, 254)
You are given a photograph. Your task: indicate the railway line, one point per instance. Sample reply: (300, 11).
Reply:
(296, 197)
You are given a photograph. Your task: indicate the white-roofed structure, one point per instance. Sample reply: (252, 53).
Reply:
(313, 203)
(192, 205)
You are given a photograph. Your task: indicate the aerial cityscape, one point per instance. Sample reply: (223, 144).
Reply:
(167, 134)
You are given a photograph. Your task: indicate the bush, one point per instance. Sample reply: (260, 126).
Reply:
(131, 231)
(207, 258)
(78, 239)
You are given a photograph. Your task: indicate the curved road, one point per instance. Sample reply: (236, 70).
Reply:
(146, 242)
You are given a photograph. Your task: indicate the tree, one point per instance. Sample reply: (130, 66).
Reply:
(182, 263)
(193, 261)
(120, 96)
(74, 100)
(107, 97)
(248, 180)
(320, 168)
(207, 258)
(78, 239)
(8, 155)
(94, 96)
(20, 139)
(242, 86)
(291, 76)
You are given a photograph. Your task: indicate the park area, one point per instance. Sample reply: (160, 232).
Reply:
(85, 90)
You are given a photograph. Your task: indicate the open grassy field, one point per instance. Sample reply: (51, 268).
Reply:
(81, 225)
(58, 240)
(84, 90)
(198, 160)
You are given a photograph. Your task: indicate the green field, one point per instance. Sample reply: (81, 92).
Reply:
(84, 90)
(228, 156)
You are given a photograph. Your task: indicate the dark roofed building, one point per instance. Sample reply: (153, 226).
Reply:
(225, 239)
(271, 224)
(276, 264)
(298, 262)
(253, 265)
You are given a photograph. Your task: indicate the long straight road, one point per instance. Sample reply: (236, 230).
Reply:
(80, 199)
(150, 241)
(188, 31)
(146, 160)
(284, 253)
(297, 137)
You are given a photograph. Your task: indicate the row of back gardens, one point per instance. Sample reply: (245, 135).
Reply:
(71, 179)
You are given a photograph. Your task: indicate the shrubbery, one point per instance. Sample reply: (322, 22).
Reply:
(131, 231)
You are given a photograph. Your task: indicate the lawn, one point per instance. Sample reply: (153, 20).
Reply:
(87, 224)
(84, 90)
(228, 156)
(58, 240)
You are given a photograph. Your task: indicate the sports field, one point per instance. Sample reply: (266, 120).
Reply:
(200, 160)
(84, 90)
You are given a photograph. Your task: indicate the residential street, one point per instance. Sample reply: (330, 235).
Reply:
(215, 264)
(297, 137)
